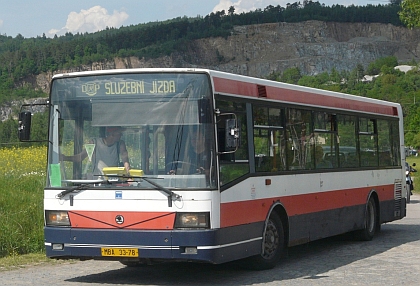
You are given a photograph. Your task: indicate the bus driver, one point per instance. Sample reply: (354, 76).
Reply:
(108, 152)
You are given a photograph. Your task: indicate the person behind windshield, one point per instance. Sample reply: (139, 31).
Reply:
(108, 152)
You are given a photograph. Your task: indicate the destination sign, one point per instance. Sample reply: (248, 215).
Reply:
(129, 87)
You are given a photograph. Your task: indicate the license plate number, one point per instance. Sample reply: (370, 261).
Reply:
(120, 252)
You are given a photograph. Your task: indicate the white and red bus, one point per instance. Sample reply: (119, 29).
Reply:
(279, 165)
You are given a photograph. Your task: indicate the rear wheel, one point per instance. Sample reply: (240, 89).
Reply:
(408, 193)
(371, 221)
(273, 245)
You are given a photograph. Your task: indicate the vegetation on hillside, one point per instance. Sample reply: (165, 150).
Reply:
(410, 13)
(21, 58)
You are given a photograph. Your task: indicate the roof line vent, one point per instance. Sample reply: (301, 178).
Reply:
(262, 92)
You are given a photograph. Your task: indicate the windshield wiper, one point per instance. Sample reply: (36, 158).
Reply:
(80, 187)
(171, 195)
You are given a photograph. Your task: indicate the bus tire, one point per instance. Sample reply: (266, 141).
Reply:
(370, 221)
(273, 246)
(408, 193)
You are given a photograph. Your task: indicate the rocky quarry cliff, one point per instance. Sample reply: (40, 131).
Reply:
(258, 50)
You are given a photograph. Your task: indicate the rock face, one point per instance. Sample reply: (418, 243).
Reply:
(312, 46)
(12, 109)
(258, 50)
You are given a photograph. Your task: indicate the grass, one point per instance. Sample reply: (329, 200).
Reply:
(22, 261)
(29, 260)
(22, 180)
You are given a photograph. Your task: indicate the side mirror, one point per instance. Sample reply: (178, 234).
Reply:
(24, 129)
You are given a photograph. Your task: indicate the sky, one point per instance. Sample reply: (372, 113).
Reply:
(34, 18)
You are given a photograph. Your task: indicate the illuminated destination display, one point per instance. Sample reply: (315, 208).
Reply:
(127, 87)
(130, 87)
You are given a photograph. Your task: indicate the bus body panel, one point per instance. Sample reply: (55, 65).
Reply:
(317, 205)
(314, 183)
(99, 208)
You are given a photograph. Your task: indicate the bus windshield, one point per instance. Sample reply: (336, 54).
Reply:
(113, 129)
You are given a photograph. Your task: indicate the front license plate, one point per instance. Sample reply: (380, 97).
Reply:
(120, 252)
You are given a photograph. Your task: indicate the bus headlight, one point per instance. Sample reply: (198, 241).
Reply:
(57, 218)
(192, 220)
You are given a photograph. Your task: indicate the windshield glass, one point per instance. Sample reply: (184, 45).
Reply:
(121, 127)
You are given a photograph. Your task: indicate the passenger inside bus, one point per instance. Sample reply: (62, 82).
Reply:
(320, 161)
(107, 152)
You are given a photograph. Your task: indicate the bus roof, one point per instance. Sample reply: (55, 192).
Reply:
(246, 86)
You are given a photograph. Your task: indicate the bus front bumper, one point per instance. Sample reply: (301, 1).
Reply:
(212, 245)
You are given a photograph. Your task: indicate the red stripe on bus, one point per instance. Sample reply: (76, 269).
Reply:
(235, 87)
(229, 86)
(131, 220)
(244, 212)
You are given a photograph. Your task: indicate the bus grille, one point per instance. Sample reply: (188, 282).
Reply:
(397, 198)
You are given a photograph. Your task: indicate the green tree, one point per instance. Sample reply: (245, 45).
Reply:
(410, 13)
(8, 130)
(231, 11)
(416, 141)
(309, 81)
(335, 76)
(375, 67)
(291, 75)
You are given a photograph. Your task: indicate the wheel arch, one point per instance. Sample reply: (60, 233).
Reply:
(278, 208)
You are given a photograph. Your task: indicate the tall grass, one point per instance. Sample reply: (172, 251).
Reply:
(22, 178)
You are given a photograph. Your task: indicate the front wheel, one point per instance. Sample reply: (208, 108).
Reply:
(273, 245)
